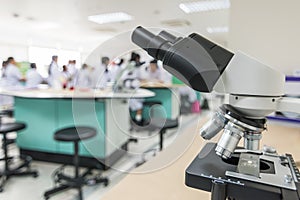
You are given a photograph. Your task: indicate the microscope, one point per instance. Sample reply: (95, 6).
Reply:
(253, 91)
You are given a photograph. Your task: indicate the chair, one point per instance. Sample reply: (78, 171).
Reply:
(63, 181)
(24, 168)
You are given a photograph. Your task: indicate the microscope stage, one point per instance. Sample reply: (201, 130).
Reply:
(208, 168)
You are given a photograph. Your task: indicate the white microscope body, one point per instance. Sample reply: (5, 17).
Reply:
(253, 91)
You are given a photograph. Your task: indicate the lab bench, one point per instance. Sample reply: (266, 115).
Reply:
(45, 111)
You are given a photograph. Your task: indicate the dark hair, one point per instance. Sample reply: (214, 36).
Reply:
(9, 59)
(33, 65)
(134, 56)
(154, 61)
(120, 62)
(4, 63)
(104, 59)
(54, 57)
(84, 66)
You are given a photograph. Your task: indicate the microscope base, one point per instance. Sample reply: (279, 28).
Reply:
(211, 173)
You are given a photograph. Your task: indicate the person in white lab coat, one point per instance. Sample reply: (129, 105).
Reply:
(116, 69)
(4, 64)
(65, 77)
(13, 74)
(5, 100)
(84, 78)
(73, 71)
(101, 75)
(54, 71)
(154, 74)
(33, 78)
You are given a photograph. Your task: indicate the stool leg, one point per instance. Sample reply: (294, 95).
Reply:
(76, 159)
(80, 194)
(76, 164)
(5, 152)
(161, 139)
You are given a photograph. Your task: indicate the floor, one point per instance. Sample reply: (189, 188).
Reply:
(33, 188)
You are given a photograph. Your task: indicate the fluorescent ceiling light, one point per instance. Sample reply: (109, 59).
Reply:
(110, 17)
(206, 5)
(223, 29)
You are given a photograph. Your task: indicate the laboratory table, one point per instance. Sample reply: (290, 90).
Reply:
(47, 110)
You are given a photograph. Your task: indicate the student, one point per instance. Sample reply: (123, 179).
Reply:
(54, 79)
(33, 78)
(12, 73)
(83, 78)
(66, 77)
(73, 73)
(4, 64)
(101, 75)
(154, 73)
(116, 69)
(5, 100)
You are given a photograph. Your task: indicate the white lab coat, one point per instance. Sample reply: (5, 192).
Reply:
(33, 78)
(73, 71)
(83, 79)
(5, 100)
(154, 76)
(10, 80)
(100, 77)
(13, 75)
(55, 75)
(115, 70)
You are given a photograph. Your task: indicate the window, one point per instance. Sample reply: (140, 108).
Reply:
(42, 57)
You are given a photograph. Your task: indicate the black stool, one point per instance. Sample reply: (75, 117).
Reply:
(74, 134)
(164, 125)
(19, 170)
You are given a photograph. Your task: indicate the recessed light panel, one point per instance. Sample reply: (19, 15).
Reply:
(223, 29)
(206, 5)
(110, 17)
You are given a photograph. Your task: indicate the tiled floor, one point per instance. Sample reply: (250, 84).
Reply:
(32, 188)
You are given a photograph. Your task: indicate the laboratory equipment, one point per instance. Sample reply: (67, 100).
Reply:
(253, 91)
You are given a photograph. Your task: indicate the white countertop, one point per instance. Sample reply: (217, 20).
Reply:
(79, 93)
(149, 84)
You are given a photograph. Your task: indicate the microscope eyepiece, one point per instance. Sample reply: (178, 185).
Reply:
(194, 60)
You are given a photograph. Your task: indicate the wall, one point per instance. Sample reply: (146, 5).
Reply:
(19, 52)
(268, 30)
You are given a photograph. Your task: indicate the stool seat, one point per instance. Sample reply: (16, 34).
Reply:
(23, 169)
(64, 181)
(74, 134)
(11, 127)
(164, 123)
(170, 123)
(151, 103)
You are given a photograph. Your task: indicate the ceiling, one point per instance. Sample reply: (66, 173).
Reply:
(63, 23)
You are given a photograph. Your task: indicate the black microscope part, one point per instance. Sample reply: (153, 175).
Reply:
(194, 60)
